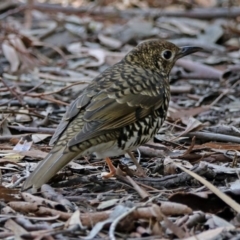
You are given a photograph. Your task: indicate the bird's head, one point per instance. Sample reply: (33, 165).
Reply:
(158, 55)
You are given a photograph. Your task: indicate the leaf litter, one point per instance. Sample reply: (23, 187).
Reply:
(50, 51)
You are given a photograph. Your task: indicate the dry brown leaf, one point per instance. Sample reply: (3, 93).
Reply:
(176, 114)
(15, 228)
(11, 55)
(178, 231)
(74, 220)
(112, 43)
(172, 208)
(209, 234)
(215, 190)
(25, 207)
(4, 130)
(192, 124)
(39, 137)
(7, 194)
(219, 145)
(43, 202)
(107, 204)
(22, 146)
(11, 157)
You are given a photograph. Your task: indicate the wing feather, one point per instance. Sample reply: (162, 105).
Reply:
(110, 107)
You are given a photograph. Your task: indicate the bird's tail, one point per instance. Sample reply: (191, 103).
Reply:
(47, 168)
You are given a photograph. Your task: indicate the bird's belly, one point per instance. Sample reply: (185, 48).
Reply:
(139, 133)
(130, 138)
(103, 150)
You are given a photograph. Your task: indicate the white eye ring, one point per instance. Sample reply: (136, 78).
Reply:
(167, 54)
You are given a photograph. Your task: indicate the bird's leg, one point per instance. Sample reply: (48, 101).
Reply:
(140, 170)
(112, 169)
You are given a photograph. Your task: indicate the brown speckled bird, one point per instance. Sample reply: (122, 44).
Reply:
(121, 109)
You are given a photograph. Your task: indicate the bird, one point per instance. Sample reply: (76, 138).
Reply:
(121, 109)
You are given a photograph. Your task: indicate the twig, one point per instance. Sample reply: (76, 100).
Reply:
(201, 13)
(143, 194)
(56, 49)
(12, 11)
(199, 70)
(181, 89)
(84, 80)
(11, 91)
(139, 167)
(32, 89)
(33, 129)
(30, 113)
(151, 152)
(224, 92)
(224, 129)
(31, 218)
(54, 100)
(214, 137)
(48, 93)
(28, 14)
(8, 137)
(223, 196)
(175, 179)
(15, 184)
(117, 220)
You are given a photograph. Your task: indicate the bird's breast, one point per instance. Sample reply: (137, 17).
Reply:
(141, 131)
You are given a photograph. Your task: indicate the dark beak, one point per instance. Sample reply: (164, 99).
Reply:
(184, 51)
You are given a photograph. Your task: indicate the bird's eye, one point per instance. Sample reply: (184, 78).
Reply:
(167, 54)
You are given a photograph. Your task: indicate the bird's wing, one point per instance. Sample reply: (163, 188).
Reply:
(103, 106)
(112, 109)
(113, 115)
(73, 111)
(78, 106)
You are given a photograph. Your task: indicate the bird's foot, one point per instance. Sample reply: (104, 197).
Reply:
(112, 169)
